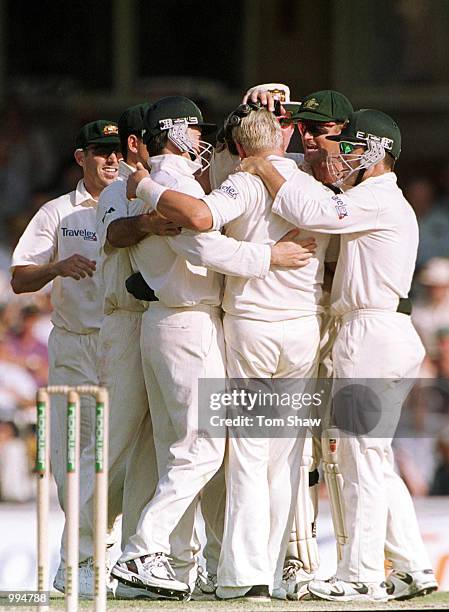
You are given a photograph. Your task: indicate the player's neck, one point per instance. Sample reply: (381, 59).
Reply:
(92, 189)
(266, 153)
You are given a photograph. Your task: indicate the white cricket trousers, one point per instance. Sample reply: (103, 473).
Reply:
(262, 474)
(72, 361)
(132, 474)
(379, 512)
(179, 346)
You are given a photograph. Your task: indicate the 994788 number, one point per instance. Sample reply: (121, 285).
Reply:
(24, 598)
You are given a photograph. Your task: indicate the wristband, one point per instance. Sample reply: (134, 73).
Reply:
(149, 191)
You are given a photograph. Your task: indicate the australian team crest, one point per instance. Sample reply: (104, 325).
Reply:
(110, 130)
(312, 104)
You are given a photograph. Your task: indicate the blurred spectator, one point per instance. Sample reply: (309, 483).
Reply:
(432, 313)
(26, 160)
(27, 349)
(13, 226)
(420, 192)
(443, 200)
(433, 219)
(440, 484)
(42, 325)
(425, 415)
(17, 386)
(16, 483)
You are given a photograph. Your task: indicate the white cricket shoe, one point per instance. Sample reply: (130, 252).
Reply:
(206, 584)
(85, 580)
(406, 585)
(341, 590)
(154, 573)
(295, 579)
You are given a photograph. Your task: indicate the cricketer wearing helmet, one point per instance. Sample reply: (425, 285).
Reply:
(379, 241)
(132, 469)
(181, 341)
(272, 331)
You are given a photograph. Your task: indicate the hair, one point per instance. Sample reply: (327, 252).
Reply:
(258, 131)
(156, 143)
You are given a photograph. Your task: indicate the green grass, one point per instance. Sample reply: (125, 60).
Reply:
(435, 601)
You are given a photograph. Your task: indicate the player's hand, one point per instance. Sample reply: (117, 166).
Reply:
(260, 94)
(155, 223)
(289, 252)
(253, 165)
(134, 179)
(76, 266)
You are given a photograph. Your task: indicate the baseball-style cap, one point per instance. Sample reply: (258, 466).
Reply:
(132, 119)
(100, 132)
(167, 112)
(369, 123)
(325, 105)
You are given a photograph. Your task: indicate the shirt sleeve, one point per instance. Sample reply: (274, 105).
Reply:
(112, 205)
(38, 244)
(228, 201)
(306, 203)
(222, 253)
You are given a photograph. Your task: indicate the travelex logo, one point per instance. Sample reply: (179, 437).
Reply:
(79, 233)
(340, 207)
(228, 190)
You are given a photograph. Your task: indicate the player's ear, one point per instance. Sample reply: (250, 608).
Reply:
(79, 156)
(240, 150)
(133, 142)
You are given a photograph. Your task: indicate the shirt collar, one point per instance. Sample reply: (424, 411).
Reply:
(81, 197)
(174, 163)
(284, 161)
(387, 177)
(125, 170)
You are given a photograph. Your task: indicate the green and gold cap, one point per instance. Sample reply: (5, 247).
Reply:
(100, 132)
(325, 105)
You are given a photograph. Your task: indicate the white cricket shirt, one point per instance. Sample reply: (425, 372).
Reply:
(242, 205)
(182, 270)
(116, 264)
(378, 242)
(61, 228)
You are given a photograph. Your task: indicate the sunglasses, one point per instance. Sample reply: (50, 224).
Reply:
(315, 128)
(346, 148)
(104, 151)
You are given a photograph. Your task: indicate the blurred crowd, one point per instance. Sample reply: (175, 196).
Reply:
(31, 174)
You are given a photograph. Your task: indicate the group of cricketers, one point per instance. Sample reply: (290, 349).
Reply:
(175, 262)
